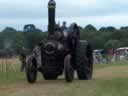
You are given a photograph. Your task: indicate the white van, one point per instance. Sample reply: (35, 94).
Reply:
(122, 53)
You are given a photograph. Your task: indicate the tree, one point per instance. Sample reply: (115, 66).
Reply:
(90, 28)
(9, 29)
(107, 29)
(18, 42)
(113, 44)
(124, 28)
(111, 29)
(33, 38)
(103, 29)
(1, 41)
(31, 28)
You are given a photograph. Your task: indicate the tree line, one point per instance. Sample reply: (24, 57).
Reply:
(103, 38)
(15, 40)
(106, 37)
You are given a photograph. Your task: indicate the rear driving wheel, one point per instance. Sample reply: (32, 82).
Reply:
(84, 61)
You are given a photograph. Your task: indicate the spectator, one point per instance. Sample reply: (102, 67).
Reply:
(64, 28)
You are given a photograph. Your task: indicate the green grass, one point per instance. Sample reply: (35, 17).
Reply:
(109, 80)
(119, 63)
(115, 87)
(11, 75)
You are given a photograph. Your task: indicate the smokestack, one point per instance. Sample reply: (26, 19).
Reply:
(51, 17)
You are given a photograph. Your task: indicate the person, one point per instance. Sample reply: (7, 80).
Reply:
(23, 61)
(74, 35)
(37, 54)
(64, 27)
(73, 38)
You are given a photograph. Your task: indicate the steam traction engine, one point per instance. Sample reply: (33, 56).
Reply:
(62, 52)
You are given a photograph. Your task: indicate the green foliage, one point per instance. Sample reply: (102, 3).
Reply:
(105, 37)
(31, 28)
(33, 38)
(9, 29)
(89, 28)
(112, 44)
(17, 40)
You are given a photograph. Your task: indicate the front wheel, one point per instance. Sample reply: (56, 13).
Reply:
(31, 69)
(68, 69)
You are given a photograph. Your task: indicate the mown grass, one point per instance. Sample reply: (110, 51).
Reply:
(108, 80)
(119, 63)
(12, 75)
(10, 71)
(115, 87)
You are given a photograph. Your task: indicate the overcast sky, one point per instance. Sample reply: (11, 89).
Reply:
(17, 13)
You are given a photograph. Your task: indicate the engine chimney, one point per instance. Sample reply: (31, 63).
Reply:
(51, 17)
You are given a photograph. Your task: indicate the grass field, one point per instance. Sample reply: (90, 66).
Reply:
(108, 80)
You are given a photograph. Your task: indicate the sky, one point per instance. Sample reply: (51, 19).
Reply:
(17, 13)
